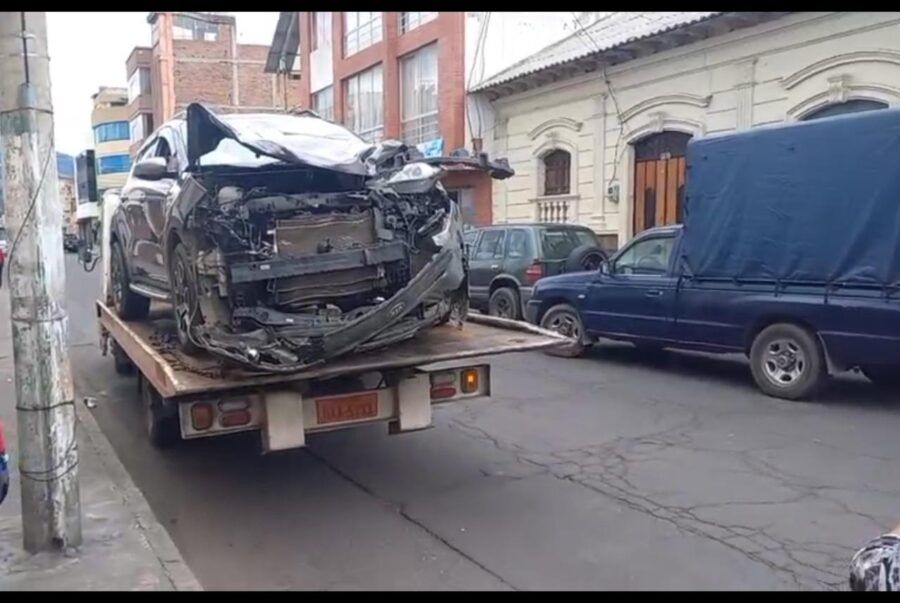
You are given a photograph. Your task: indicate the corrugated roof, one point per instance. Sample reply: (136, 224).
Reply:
(606, 33)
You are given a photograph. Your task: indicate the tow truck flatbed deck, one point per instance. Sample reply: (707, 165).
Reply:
(145, 342)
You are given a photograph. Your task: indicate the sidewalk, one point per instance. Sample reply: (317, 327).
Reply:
(124, 547)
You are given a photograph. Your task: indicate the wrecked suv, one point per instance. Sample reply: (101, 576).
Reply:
(284, 240)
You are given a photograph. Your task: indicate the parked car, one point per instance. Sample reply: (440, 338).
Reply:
(284, 240)
(70, 242)
(506, 261)
(789, 254)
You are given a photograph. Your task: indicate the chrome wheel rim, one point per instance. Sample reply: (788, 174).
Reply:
(116, 278)
(503, 308)
(565, 324)
(181, 294)
(784, 362)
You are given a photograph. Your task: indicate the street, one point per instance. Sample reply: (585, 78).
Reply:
(613, 471)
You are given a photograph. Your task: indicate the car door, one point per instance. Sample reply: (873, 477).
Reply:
(146, 200)
(486, 263)
(635, 297)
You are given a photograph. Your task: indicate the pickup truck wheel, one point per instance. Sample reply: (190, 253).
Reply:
(129, 305)
(787, 362)
(123, 363)
(184, 298)
(886, 375)
(504, 302)
(564, 319)
(163, 429)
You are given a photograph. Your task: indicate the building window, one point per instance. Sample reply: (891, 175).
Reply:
(141, 127)
(361, 30)
(113, 164)
(418, 97)
(321, 31)
(850, 106)
(138, 83)
(323, 103)
(556, 172)
(363, 104)
(114, 130)
(188, 28)
(411, 20)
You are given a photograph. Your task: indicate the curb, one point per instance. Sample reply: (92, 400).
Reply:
(151, 531)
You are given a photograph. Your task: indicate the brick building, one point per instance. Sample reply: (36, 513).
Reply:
(397, 75)
(196, 57)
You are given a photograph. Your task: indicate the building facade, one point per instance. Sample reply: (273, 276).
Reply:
(391, 75)
(195, 57)
(596, 126)
(109, 120)
(65, 170)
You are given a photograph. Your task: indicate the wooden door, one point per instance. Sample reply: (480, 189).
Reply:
(659, 172)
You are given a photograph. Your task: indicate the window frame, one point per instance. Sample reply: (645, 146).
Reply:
(501, 244)
(409, 20)
(526, 238)
(566, 187)
(329, 115)
(352, 114)
(107, 126)
(198, 29)
(102, 172)
(362, 34)
(424, 125)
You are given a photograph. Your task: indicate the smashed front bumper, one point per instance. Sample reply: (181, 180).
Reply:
(288, 344)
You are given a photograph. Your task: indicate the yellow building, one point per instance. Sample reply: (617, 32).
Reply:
(111, 137)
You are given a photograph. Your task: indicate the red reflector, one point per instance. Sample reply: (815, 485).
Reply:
(439, 393)
(201, 416)
(234, 418)
(534, 273)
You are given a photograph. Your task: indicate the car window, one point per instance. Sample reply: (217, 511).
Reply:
(490, 246)
(585, 237)
(557, 243)
(648, 256)
(518, 245)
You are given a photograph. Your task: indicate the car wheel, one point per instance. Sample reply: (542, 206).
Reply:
(787, 362)
(504, 302)
(881, 374)
(185, 304)
(129, 305)
(585, 258)
(162, 427)
(564, 319)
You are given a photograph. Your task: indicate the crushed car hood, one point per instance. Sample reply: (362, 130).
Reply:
(309, 140)
(297, 139)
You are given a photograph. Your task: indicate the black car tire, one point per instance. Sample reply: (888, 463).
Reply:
(504, 302)
(564, 319)
(163, 429)
(129, 305)
(881, 374)
(184, 292)
(585, 258)
(123, 363)
(804, 372)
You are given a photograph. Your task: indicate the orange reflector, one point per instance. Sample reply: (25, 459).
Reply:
(469, 381)
(439, 393)
(234, 418)
(201, 416)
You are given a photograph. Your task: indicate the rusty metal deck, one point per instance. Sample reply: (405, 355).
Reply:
(148, 345)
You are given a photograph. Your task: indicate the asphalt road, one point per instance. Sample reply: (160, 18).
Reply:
(613, 471)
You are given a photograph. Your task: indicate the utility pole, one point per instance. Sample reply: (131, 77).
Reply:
(45, 397)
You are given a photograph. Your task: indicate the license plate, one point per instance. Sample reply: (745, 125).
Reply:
(353, 407)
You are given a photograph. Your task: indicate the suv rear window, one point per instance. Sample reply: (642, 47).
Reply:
(558, 243)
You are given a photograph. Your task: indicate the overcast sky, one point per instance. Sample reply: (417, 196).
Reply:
(88, 50)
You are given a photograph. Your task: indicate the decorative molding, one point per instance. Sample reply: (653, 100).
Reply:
(556, 122)
(666, 99)
(844, 91)
(838, 88)
(661, 123)
(743, 92)
(860, 56)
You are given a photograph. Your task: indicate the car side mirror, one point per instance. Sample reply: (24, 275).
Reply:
(153, 168)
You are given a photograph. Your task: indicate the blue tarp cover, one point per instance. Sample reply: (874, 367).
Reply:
(815, 202)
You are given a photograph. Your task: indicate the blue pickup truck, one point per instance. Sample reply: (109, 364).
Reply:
(789, 253)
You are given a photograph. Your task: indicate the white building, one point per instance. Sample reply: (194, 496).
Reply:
(596, 124)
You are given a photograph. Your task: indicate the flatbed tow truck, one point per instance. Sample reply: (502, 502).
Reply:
(187, 397)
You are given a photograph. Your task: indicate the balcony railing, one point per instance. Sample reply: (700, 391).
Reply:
(558, 209)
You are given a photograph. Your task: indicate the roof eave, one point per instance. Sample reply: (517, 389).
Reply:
(708, 27)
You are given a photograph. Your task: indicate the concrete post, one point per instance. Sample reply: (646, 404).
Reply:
(48, 455)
